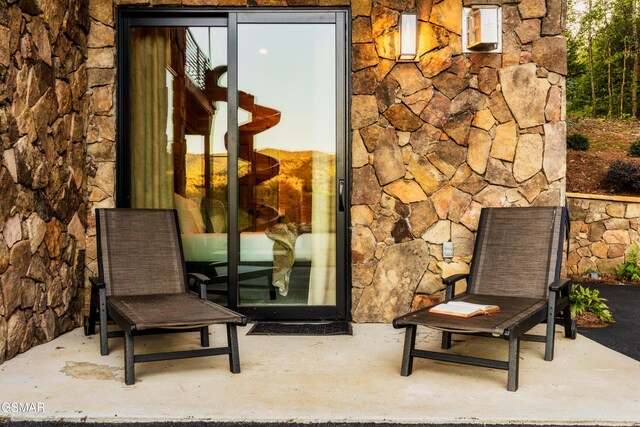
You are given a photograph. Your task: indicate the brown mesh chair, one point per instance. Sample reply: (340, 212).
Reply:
(142, 287)
(516, 265)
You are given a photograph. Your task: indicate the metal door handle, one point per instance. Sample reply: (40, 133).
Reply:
(341, 195)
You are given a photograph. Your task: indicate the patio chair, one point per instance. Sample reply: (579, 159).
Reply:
(142, 287)
(516, 265)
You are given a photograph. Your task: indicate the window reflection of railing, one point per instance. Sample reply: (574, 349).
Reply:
(196, 63)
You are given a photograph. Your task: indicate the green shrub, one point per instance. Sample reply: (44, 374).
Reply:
(577, 141)
(629, 269)
(634, 149)
(623, 177)
(586, 299)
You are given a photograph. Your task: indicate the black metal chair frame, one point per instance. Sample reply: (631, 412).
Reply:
(556, 309)
(100, 311)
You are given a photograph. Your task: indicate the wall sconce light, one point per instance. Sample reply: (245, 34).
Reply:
(408, 37)
(482, 29)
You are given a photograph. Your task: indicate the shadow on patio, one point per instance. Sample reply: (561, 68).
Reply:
(324, 379)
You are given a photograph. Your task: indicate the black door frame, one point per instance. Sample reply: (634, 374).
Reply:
(231, 17)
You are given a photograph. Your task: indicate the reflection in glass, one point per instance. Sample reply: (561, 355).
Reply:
(287, 161)
(286, 153)
(178, 156)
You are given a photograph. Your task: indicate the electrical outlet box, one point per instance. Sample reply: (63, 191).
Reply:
(447, 250)
(482, 29)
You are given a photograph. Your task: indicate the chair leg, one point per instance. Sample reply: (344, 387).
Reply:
(90, 321)
(204, 336)
(234, 354)
(551, 329)
(549, 341)
(446, 340)
(409, 345)
(129, 368)
(104, 331)
(570, 330)
(514, 362)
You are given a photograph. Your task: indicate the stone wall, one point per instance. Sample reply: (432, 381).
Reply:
(43, 116)
(435, 141)
(101, 135)
(602, 228)
(432, 141)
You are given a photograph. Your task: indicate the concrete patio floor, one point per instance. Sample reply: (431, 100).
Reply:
(324, 379)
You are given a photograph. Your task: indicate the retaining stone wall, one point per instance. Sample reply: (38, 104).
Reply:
(601, 232)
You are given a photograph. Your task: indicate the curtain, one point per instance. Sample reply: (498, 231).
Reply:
(151, 150)
(322, 277)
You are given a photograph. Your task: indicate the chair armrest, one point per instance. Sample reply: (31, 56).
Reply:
(559, 284)
(199, 278)
(96, 282)
(451, 280)
(201, 281)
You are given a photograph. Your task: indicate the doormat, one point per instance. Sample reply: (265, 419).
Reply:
(330, 328)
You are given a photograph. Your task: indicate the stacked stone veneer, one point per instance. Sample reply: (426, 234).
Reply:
(43, 120)
(101, 134)
(435, 141)
(432, 141)
(601, 233)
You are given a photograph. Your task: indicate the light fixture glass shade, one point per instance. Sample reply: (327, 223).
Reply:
(408, 37)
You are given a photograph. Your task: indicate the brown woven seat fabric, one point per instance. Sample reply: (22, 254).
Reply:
(518, 252)
(140, 252)
(513, 310)
(170, 311)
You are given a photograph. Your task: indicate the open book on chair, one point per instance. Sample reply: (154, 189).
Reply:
(463, 309)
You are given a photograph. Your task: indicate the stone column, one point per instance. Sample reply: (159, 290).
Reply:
(43, 117)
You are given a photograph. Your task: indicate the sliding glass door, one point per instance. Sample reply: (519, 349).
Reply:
(237, 121)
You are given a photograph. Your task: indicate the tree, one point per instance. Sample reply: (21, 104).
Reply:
(624, 77)
(590, 52)
(609, 76)
(601, 53)
(636, 62)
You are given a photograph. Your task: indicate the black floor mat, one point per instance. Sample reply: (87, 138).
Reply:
(330, 328)
(624, 335)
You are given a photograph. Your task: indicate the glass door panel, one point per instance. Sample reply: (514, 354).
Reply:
(287, 164)
(177, 150)
(238, 121)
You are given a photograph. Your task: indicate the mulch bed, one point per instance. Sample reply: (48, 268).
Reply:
(586, 171)
(590, 320)
(610, 141)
